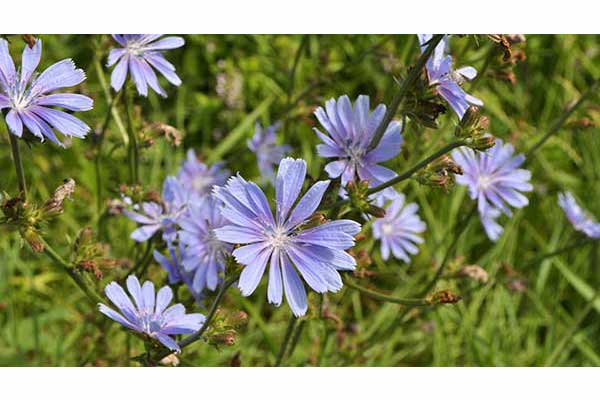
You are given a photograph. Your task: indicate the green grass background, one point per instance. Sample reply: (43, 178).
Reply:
(46, 321)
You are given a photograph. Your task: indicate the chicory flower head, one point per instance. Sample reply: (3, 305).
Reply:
(268, 153)
(198, 178)
(283, 241)
(399, 230)
(140, 55)
(172, 264)
(27, 95)
(448, 81)
(349, 133)
(164, 216)
(204, 254)
(150, 315)
(580, 219)
(495, 180)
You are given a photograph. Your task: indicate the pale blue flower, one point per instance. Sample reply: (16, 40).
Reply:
(268, 153)
(172, 264)
(399, 230)
(140, 56)
(495, 180)
(150, 315)
(198, 178)
(280, 240)
(27, 95)
(579, 217)
(448, 81)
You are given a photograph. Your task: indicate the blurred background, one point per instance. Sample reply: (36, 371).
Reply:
(520, 312)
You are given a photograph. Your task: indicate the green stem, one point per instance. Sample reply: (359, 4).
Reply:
(16, 154)
(407, 84)
(77, 278)
(211, 313)
(132, 147)
(422, 164)
(286, 340)
(462, 226)
(562, 119)
(579, 243)
(98, 156)
(387, 298)
(296, 338)
(107, 95)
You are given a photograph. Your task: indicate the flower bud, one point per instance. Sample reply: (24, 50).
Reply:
(226, 338)
(170, 361)
(483, 143)
(474, 272)
(443, 297)
(54, 205)
(32, 237)
(237, 320)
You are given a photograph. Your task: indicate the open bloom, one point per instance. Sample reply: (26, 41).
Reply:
(580, 219)
(139, 55)
(163, 217)
(172, 264)
(204, 254)
(281, 240)
(267, 151)
(495, 180)
(399, 230)
(27, 95)
(198, 178)
(448, 81)
(150, 315)
(349, 133)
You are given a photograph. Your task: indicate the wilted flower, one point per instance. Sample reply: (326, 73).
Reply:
(495, 181)
(580, 219)
(161, 216)
(350, 132)
(399, 229)
(267, 151)
(447, 80)
(30, 104)
(197, 177)
(316, 252)
(141, 53)
(150, 315)
(204, 253)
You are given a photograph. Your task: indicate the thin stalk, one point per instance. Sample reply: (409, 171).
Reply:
(296, 338)
(132, 148)
(387, 298)
(422, 164)
(66, 267)
(406, 85)
(562, 119)
(462, 226)
(98, 156)
(107, 95)
(211, 313)
(292, 77)
(16, 154)
(567, 248)
(286, 340)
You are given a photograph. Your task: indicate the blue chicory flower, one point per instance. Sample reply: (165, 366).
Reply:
(448, 81)
(176, 273)
(198, 178)
(399, 230)
(27, 95)
(349, 133)
(268, 153)
(204, 254)
(158, 217)
(150, 315)
(139, 55)
(280, 241)
(495, 180)
(579, 217)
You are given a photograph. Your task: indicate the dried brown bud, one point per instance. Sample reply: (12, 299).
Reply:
(443, 297)
(170, 361)
(237, 320)
(33, 238)
(226, 338)
(170, 133)
(29, 39)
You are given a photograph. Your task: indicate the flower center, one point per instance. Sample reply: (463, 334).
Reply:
(200, 183)
(278, 237)
(484, 182)
(134, 48)
(356, 154)
(387, 229)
